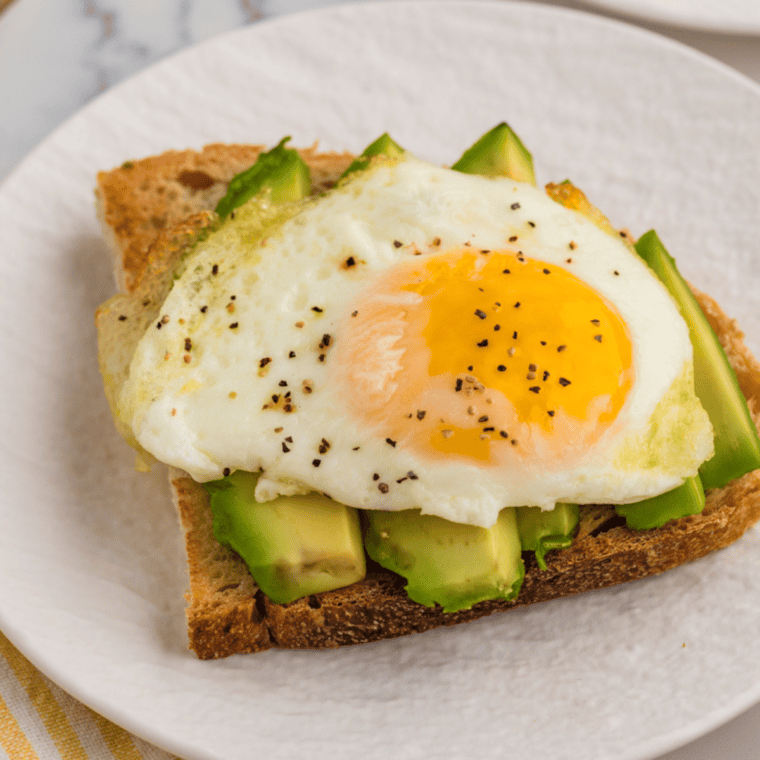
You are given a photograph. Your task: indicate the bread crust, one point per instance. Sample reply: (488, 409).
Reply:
(149, 207)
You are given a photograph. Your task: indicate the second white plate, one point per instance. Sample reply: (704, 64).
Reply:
(722, 16)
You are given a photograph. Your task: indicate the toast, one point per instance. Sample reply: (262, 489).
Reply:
(150, 209)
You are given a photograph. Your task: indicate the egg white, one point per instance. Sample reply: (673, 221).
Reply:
(200, 384)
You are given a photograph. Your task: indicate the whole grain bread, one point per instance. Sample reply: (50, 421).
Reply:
(149, 210)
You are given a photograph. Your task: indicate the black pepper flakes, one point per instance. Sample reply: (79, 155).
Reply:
(480, 313)
(122, 318)
(515, 206)
(561, 348)
(483, 343)
(421, 414)
(551, 412)
(263, 362)
(204, 309)
(317, 309)
(535, 389)
(292, 355)
(234, 325)
(285, 448)
(397, 244)
(375, 476)
(458, 386)
(215, 269)
(382, 487)
(411, 475)
(501, 368)
(188, 344)
(316, 462)
(391, 442)
(226, 471)
(564, 382)
(598, 338)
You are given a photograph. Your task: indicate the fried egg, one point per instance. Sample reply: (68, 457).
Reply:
(419, 337)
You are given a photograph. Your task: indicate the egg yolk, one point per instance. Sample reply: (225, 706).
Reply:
(486, 356)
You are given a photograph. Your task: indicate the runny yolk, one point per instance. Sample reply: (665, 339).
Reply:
(486, 356)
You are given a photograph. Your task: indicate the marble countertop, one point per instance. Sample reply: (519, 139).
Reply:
(57, 55)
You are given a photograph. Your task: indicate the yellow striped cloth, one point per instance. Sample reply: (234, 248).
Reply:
(40, 721)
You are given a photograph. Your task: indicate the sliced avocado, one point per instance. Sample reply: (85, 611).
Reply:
(383, 146)
(281, 169)
(737, 446)
(447, 563)
(541, 530)
(687, 499)
(294, 546)
(501, 153)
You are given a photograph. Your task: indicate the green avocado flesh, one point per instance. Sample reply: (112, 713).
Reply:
(383, 146)
(447, 563)
(737, 446)
(281, 170)
(541, 530)
(687, 499)
(294, 546)
(501, 153)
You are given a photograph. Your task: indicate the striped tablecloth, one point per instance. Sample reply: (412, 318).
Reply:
(40, 721)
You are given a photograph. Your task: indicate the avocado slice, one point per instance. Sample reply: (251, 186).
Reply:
(687, 499)
(737, 446)
(541, 530)
(447, 563)
(385, 145)
(281, 169)
(294, 546)
(499, 153)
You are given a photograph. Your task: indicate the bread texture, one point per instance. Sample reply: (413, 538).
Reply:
(150, 209)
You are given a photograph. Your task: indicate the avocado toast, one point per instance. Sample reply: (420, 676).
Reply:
(147, 208)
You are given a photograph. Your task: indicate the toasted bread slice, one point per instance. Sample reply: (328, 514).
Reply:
(148, 208)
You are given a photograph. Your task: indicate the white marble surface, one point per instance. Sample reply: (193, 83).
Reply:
(57, 55)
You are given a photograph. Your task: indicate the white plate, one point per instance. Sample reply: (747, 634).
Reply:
(90, 555)
(722, 16)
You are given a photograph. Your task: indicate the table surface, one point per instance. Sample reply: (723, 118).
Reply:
(79, 51)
